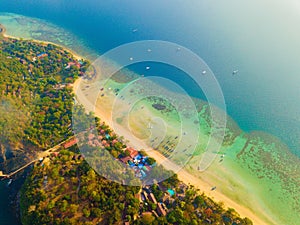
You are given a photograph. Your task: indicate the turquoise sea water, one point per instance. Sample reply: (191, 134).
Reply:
(259, 38)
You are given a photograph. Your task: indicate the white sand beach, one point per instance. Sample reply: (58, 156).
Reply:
(103, 111)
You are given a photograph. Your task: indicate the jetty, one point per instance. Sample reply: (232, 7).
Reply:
(7, 176)
(42, 154)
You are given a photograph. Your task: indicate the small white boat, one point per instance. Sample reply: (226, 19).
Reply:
(149, 50)
(204, 72)
(131, 58)
(9, 182)
(147, 67)
(235, 72)
(134, 30)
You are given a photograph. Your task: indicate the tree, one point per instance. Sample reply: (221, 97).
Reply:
(150, 160)
(247, 221)
(199, 201)
(153, 206)
(86, 212)
(147, 218)
(64, 205)
(127, 153)
(143, 152)
(96, 212)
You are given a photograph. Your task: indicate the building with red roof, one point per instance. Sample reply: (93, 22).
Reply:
(133, 153)
(70, 143)
(125, 159)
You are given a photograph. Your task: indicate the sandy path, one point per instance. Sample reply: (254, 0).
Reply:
(183, 175)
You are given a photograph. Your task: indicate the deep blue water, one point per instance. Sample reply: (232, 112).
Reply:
(6, 215)
(260, 38)
(262, 42)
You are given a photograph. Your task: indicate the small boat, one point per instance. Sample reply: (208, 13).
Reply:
(204, 72)
(235, 72)
(131, 58)
(213, 188)
(9, 182)
(147, 67)
(178, 49)
(149, 50)
(134, 30)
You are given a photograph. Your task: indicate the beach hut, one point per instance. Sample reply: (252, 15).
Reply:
(146, 169)
(138, 157)
(91, 136)
(160, 210)
(131, 164)
(97, 143)
(140, 165)
(125, 159)
(70, 143)
(132, 152)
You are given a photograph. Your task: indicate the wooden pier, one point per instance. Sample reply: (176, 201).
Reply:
(40, 155)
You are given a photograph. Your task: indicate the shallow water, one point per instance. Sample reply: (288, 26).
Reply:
(271, 177)
(256, 37)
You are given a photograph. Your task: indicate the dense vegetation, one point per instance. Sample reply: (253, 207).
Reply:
(65, 190)
(36, 98)
(36, 105)
(68, 191)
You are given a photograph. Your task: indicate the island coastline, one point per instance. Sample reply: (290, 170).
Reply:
(184, 176)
